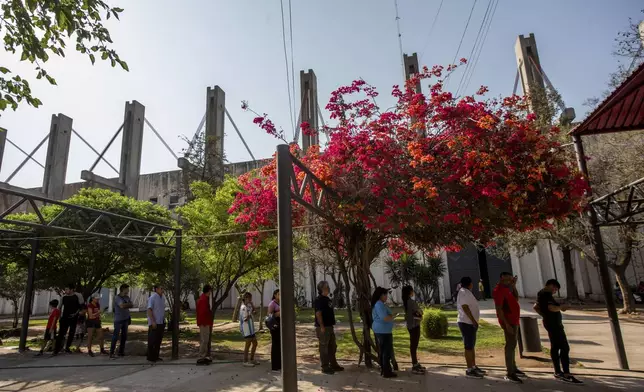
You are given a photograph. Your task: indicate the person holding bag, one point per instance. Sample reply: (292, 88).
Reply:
(276, 341)
(122, 319)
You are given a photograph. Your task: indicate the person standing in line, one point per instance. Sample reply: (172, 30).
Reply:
(508, 312)
(247, 329)
(383, 325)
(50, 330)
(122, 319)
(548, 308)
(324, 328)
(276, 339)
(94, 325)
(204, 322)
(468, 322)
(156, 323)
(481, 290)
(413, 316)
(70, 305)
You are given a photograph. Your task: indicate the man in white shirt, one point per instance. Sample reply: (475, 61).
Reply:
(468, 322)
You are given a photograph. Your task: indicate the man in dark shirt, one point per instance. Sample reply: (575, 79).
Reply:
(324, 322)
(70, 307)
(548, 308)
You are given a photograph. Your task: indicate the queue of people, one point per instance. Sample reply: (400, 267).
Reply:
(74, 318)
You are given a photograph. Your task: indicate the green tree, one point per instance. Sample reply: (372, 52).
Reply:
(90, 262)
(219, 243)
(427, 275)
(13, 282)
(38, 29)
(402, 272)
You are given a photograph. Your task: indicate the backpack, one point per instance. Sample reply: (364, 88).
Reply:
(271, 322)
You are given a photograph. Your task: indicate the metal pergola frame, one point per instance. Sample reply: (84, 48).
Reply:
(289, 190)
(145, 233)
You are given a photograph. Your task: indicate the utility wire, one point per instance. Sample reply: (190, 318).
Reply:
(477, 42)
(290, 19)
(469, 18)
(431, 30)
(478, 56)
(288, 78)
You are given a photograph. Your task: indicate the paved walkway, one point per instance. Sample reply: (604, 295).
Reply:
(83, 374)
(589, 335)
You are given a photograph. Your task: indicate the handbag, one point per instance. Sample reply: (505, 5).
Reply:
(271, 322)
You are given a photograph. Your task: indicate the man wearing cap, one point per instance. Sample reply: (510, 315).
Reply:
(324, 324)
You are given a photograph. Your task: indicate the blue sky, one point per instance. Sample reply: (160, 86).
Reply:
(176, 49)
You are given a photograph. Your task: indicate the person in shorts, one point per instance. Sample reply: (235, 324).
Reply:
(247, 328)
(468, 322)
(94, 327)
(81, 328)
(50, 330)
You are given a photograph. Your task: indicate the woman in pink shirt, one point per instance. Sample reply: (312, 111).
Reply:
(276, 344)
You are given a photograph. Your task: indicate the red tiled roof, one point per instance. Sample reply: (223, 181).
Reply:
(623, 110)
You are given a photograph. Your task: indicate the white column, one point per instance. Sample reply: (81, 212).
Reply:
(111, 301)
(516, 267)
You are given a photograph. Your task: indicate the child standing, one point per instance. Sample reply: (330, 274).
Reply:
(247, 328)
(50, 330)
(81, 329)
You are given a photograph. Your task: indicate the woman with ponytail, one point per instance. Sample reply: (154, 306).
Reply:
(413, 316)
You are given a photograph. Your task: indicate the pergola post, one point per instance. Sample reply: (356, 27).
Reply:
(287, 283)
(176, 311)
(26, 309)
(598, 244)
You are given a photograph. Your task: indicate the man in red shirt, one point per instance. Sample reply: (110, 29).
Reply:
(50, 330)
(508, 311)
(204, 321)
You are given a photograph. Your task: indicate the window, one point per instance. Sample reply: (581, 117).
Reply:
(154, 200)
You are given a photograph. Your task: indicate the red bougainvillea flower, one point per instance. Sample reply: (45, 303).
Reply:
(434, 171)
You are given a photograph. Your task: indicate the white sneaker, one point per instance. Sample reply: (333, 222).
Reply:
(249, 364)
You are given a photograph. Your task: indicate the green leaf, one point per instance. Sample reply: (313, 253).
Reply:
(3, 104)
(124, 65)
(92, 58)
(51, 80)
(24, 56)
(104, 56)
(4, 70)
(32, 4)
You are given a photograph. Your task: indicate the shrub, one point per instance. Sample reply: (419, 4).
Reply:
(434, 324)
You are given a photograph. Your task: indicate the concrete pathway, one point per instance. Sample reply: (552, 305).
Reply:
(83, 374)
(589, 335)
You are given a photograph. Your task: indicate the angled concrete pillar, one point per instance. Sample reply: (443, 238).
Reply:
(309, 110)
(131, 148)
(528, 63)
(3, 140)
(412, 68)
(215, 116)
(60, 134)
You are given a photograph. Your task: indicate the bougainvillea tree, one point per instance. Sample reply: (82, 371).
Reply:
(432, 172)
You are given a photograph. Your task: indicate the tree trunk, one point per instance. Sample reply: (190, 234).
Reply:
(261, 304)
(571, 285)
(627, 293)
(15, 313)
(627, 235)
(237, 307)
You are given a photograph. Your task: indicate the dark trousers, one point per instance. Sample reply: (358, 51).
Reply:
(155, 337)
(511, 341)
(385, 355)
(414, 339)
(276, 349)
(120, 328)
(559, 349)
(67, 327)
(327, 346)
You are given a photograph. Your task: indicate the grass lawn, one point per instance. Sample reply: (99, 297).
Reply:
(489, 337)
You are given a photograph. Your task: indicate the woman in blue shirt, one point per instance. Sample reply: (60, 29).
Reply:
(383, 324)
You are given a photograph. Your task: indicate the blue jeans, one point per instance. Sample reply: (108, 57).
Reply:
(119, 326)
(385, 355)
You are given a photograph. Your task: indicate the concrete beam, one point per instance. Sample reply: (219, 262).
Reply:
(3, 140)
(131, 148)
(309, 110)
(412, 68)
(9, 187)
(215, 117)
(60, 134)
(95, 178)
(526, 51)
